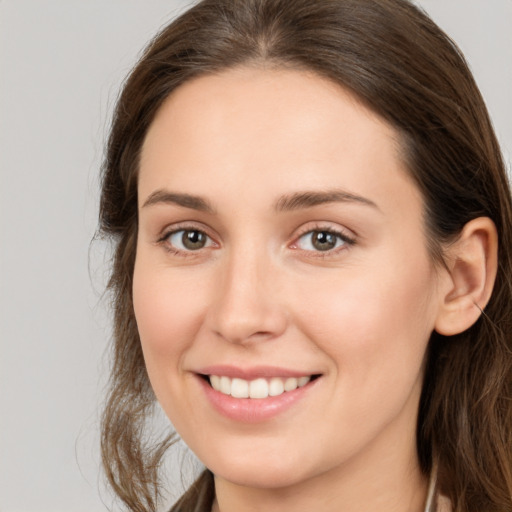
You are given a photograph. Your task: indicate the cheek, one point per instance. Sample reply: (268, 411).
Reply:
(375, 324)
(167, 310)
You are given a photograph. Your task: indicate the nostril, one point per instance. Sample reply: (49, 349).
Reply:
(261, 334)
(244, 335)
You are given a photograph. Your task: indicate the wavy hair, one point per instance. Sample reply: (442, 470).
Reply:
(394, 58)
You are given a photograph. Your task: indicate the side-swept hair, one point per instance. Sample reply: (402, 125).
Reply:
(406, 70)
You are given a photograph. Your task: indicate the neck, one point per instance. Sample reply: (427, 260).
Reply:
(394, 484)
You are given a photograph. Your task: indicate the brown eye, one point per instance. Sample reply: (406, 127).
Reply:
(193, 240)
(322, 241)
(189, 240)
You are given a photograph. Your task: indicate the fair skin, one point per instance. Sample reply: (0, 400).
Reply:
(280, 236)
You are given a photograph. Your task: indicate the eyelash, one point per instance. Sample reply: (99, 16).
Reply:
(341, 236)
(164, 240)
(346, 241)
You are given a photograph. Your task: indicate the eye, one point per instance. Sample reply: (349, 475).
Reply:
(322, 240)
(189, 240)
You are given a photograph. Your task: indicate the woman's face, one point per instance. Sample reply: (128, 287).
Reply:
(281, 244)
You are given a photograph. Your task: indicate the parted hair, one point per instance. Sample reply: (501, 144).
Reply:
(403, 67)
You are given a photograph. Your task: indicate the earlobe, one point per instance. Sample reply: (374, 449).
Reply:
(472, 262)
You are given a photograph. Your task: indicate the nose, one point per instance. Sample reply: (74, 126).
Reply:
(246, 305)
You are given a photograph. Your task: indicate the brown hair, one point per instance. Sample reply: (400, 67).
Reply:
(403, 67)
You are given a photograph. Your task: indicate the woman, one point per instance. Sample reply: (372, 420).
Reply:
(312, 270)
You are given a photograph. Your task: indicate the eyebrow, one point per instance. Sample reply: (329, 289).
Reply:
(287, 203)
(301, 200)
(184, 200)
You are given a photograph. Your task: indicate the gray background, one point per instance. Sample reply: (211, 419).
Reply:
(61, 64)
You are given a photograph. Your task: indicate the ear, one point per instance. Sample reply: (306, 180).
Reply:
(471, 263)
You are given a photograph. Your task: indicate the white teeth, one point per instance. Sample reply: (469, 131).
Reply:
(215, 382)
(302, 381)
(290, 384)
(225, 385)
(276, 387)
(239, 388)
(258, 388)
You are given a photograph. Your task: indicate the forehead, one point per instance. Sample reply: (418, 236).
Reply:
(253, 129)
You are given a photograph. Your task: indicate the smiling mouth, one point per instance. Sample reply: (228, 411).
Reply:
(258, 388)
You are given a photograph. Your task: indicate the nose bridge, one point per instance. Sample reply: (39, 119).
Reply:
(246, 305)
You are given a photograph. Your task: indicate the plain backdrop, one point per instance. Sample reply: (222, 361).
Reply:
(61, 65)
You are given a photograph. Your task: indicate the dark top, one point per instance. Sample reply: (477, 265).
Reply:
(199, 497)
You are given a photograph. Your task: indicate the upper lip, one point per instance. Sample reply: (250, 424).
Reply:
(254, 372)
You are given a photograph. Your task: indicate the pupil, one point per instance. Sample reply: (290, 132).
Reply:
(194, 239)
(323, 240)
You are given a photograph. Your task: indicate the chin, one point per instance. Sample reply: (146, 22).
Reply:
(272, 472)
(261, 478)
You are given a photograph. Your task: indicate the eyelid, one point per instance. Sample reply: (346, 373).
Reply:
(163, 237)
(348, 237)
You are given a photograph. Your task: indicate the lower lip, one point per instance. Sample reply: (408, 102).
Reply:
(254, 410)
